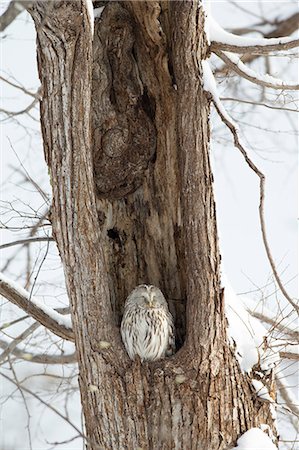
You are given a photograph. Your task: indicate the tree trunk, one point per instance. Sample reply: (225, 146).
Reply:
(133, 203)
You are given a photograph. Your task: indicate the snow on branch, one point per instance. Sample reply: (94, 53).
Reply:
(89, 7)
(235, 63)
(209, 85)
(51, 319)
(247, 334)
(223, 40)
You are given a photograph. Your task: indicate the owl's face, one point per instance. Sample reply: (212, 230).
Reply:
(147, 296)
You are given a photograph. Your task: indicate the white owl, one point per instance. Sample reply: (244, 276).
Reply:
(147, 325)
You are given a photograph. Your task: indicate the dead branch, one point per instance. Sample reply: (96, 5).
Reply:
(266, 81)
(284, 329)
(13, 10)
(261, 176)
(11, 347)
(283, 28)
(21, 88)
(273, 45)
(285, 393)
(22, 111)
(42, 358)
(26, 241)
(46, 316)
(238, 144)
(289, 355)
(256, 103)
(48, 405)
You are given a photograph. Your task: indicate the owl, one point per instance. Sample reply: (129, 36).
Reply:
(147, 325)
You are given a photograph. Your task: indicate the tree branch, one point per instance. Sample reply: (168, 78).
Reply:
(39, 358)
(223, 40)
(283, 28)
(293, 334)
(8, 348)
(9, 15)
(26, 241)
(48, 405)
(256, 103)
(241, 69)
(286, 394)
(211, 88)
(51, 319)
(36, 94)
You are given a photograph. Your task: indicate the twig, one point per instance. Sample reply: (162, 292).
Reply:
(248, 102)
(39, 358)
(21, 88)
(26, 241)
(10, 347)
(261, 176)
(284, 329)
(48, 405)
(211, 88)
(284, 391)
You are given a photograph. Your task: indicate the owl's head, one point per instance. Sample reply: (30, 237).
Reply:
(146, 296)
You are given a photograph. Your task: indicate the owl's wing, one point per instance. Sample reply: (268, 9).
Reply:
(171, 338)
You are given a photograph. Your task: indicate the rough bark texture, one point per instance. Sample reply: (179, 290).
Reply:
(154, 221)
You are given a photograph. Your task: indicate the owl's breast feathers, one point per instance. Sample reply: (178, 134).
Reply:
(148, 331)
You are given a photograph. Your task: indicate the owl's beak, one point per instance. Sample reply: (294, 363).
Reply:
(151, 302)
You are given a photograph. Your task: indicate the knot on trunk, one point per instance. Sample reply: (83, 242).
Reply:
(124, 134)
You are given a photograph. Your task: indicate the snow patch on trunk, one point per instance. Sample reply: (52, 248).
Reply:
(255, 439)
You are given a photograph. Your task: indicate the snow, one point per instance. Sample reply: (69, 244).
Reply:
(290, 320)
(218, 34)
(264, 78)
(255, 439)
(209, 85)
(89, 7)
(246, 333)
(59, 318)
(98, 12)
(239, 330)
(261, 390)
(206, 4)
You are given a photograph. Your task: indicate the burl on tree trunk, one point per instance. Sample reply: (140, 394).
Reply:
(126, 137)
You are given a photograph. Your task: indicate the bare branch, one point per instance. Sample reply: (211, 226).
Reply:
(255, 103)
(212, 90)
(48, 317)
(22, 111)
(266, 80)
(283, 28)
(223, 40)
(42, 358)
(11, 347)
(284, 391)
(48, 405)
(26, 241)
(275, 324)
(289, 355)
(13, 10)
(21, 88)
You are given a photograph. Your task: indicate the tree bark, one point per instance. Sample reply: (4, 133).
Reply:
(133, 203)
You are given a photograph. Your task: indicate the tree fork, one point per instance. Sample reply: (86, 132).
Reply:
(153, 224)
